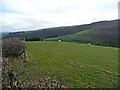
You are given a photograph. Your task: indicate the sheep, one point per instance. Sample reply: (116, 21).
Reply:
(59, 40)
(89, 44)
(44, 40)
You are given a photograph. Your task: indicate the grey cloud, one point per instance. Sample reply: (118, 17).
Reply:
(60, 15)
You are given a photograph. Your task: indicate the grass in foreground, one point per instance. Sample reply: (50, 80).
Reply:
(79, 65)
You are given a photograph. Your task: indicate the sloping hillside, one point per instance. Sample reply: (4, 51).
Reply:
(106, 32)
(48, 33)
(83, 36)
(95, 37)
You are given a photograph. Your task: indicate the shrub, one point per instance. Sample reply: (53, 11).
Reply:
(32, 39)
(12, 47)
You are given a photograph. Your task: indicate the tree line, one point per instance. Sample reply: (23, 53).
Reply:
(34, 39)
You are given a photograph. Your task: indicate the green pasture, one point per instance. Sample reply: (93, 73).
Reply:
(79, 65)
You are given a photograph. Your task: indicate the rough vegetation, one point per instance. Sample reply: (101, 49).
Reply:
(14, 80)
(12, 47)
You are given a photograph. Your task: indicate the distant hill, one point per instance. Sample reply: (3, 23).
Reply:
(105, 32)
(3, 34)
(49, 32)
(89, 36)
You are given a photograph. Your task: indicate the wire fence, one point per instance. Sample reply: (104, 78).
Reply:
(16, 75)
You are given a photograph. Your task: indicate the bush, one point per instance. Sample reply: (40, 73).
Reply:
(15, 74)
(12, 47)
(32, 39)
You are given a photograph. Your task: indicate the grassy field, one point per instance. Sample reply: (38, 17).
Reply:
(79, 65)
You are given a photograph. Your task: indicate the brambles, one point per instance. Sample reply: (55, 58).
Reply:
(13, 79)
(12, 50)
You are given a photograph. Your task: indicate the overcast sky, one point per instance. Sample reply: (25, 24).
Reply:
(22, 15)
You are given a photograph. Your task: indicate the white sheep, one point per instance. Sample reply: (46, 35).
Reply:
(44, 40)
(59, 40)
(89, 44)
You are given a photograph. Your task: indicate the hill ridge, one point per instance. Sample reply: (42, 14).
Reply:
(105, 31)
